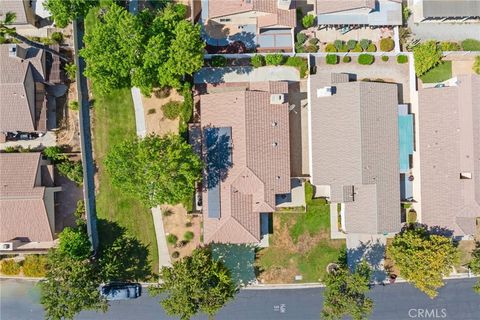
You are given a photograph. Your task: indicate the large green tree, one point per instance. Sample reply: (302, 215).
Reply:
(113, 47)
(155, 169)
(427, 55)
(74, 242)
(195, 284)
(475, 266)
(345, 293)
(65, 11)
(423, 257)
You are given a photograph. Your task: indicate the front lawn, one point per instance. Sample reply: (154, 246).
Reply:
(300, 244)
(440, 73)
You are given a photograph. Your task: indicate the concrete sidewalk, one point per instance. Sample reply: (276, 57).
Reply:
(139, 115)
(163, 255)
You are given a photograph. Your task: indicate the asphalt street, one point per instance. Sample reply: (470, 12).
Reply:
(20, 301)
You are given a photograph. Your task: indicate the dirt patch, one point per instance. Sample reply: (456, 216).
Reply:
(68, 133)
(176, 223)
(155, 121)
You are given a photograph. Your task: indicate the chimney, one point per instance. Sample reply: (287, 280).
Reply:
(277, 98)
(284, 4)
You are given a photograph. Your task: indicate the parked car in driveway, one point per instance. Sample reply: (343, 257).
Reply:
(121, 291)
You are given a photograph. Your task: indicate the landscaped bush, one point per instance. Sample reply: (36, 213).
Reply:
(308, 21)
(218, 61)
(331, 59)
(364, 43)
(301, 38)
(450, 46)
(72, 170)
(188, 236)
(10, 267)
(171, 110)
(55, 154)
(366, 59)
(188, 224)
(427, 55)
(162, 93)
(385, 58)
(338, 44)
(172, 239)
(372, 48)
(35, 266)
(73, 105)
(274, 59)
(258, 61)
(387, 44)
(346, 59)
(471, 45)
(476, 65)
(300, 63)
(175, 254)
(299, 48)
(330, 47)
(57, 37)
(357, 48)
(351, 44)
(402, 58)
(151, 111)
(313, 41)
(311, 48)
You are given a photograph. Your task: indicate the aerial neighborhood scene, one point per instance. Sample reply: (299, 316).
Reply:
(239, 159)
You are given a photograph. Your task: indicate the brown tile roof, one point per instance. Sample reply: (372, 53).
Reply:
(21, 96)
(277, 16)
(449, 135)
(22, 208)
(260, 157)
(354, 147)
(330, 6)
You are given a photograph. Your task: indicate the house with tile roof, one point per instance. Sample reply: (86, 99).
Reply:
(245, 147)
(23, 9)
(359, 12)
(449, 136)
(23, 99)
(264, 25)
(354, 151)
(27, 206)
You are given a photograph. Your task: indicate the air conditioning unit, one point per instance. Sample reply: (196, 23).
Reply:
(6, 246)
(278, 98)
(324, 92)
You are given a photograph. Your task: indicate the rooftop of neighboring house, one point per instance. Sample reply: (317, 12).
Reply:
(246, 151)
(359, 12)
(450, 8)
(24, 178)
(23, 12)
(355, 149)
(276, 12)
(449, 135)
(22, 94)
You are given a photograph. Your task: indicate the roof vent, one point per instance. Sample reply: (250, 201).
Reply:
(324, 92)
(274, 144)
(12, 50)
(278, 98)
(274, 124)
(284, 4)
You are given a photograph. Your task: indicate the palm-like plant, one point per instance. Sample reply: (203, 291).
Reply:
(8, 20)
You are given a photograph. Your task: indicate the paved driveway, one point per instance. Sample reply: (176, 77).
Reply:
(445, 31)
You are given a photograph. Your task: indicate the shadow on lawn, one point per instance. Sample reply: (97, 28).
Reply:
(121, 256)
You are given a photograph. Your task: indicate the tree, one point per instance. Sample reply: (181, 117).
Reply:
(71, 70)
(195, 284)
(112, 49)
(427, 55)
(55, 154)
(74, 242)
(308, 21)
(474, 265)
(476, 65)
(423, 257)
(155, 169)
(65, 11)
(345, 293)
(4, 25)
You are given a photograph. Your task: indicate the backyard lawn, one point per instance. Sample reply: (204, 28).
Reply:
(300, 244)
(440, 73)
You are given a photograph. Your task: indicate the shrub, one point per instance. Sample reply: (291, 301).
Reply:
(387, 44)
(54, 153)
(301, 38)
(188, 224)
(10, 149)
(172, 239)
(402, 58)
(218, 61)
(175, 254)
(471, 45)
(72, 170)
(330, 47)
(372, 48)
(313, 41)
(151, 111)
(311, 48)
(10, 267)
(274, 59)
(338, 44)
(364, 43)
(73, 105)
(366, 59)
(35, 266)
(162, 93)
(57, 37)
(2, 39)
(331, 59)
(171, 110)
(385, 58)
(300, 63)
(346, 59)
(188, 235)
(71, 70)
(476, 65)
(357, 48)
(299, 48)
(351, 44)
(427, 55)
(308, 21)
(450, 46)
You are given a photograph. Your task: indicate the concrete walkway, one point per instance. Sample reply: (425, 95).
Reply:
(246, 74)
(139, 115)
(163, 255)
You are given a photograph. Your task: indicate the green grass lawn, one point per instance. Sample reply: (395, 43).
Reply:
(440, 73)
(300, 243)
